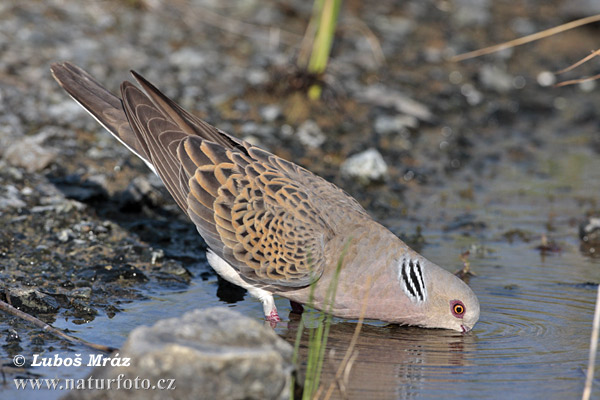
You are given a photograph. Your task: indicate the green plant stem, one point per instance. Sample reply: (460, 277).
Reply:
(317, 341)
(326, 11)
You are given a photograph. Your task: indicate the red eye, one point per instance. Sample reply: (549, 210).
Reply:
(457, 308)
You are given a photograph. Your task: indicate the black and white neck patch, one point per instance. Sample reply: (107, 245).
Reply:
(410, 275)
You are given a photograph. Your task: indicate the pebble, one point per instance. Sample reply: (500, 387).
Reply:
(385, 124)
(270, 113)
(366, 167)
(379, 95)
(495, 78)
(310, 135)
(11, 198)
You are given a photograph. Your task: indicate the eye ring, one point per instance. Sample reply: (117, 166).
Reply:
(457, 308)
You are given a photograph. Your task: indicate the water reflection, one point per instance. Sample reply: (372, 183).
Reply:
(388, 361)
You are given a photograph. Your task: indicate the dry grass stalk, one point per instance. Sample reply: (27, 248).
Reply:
(577, 64)
(587, 391)
(527, 39)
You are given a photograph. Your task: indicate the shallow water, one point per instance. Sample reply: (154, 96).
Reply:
(536, 308)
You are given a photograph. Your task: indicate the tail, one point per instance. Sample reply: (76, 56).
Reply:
(105, 107)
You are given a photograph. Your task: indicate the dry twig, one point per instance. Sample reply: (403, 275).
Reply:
(527, 39)
(47, 328)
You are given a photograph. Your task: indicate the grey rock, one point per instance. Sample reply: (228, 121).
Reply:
(384, 97)
(257, 76)
(366, 167)
(310, 135)
(27, 153)
(188, 58)
(215, 353)
(81, 292)
(10, 198)
(471, 12)
(495, 78)
(138, 190)
(589, 231)
(65, 235)
(580, 8)
(270, 112)
(32, 300)
(385, 124)
(67, 112)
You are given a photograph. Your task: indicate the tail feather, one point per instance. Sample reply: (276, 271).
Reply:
(105, 107)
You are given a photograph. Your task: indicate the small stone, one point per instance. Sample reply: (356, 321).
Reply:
(366, 167)
(385, 124)
(385, 97)
(589, 231)
(471, 12)
(270, 112)
(27, 153)
(10, 198)
(257, 77)
(157, 255)
(310, 135)
(188, 58)
(495, 78)
(65, 235)
(81, 292)
(32, 301)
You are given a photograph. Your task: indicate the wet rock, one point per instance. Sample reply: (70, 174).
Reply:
(12, 336)
(465, 222)
(310, 135)
(215, 353)
(32, 300)
(366, 167)
(81, 309)
(81, 292)
(589, 231)
(109, 273)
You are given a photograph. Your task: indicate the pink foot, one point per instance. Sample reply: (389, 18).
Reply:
(296, 307)
(273, 318)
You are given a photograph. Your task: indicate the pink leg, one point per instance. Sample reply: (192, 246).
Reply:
(296, 307)
(273, 316)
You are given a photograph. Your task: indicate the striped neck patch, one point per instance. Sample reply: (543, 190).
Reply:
(410, 274)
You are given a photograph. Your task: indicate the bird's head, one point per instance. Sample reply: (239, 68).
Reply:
(445, 301)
